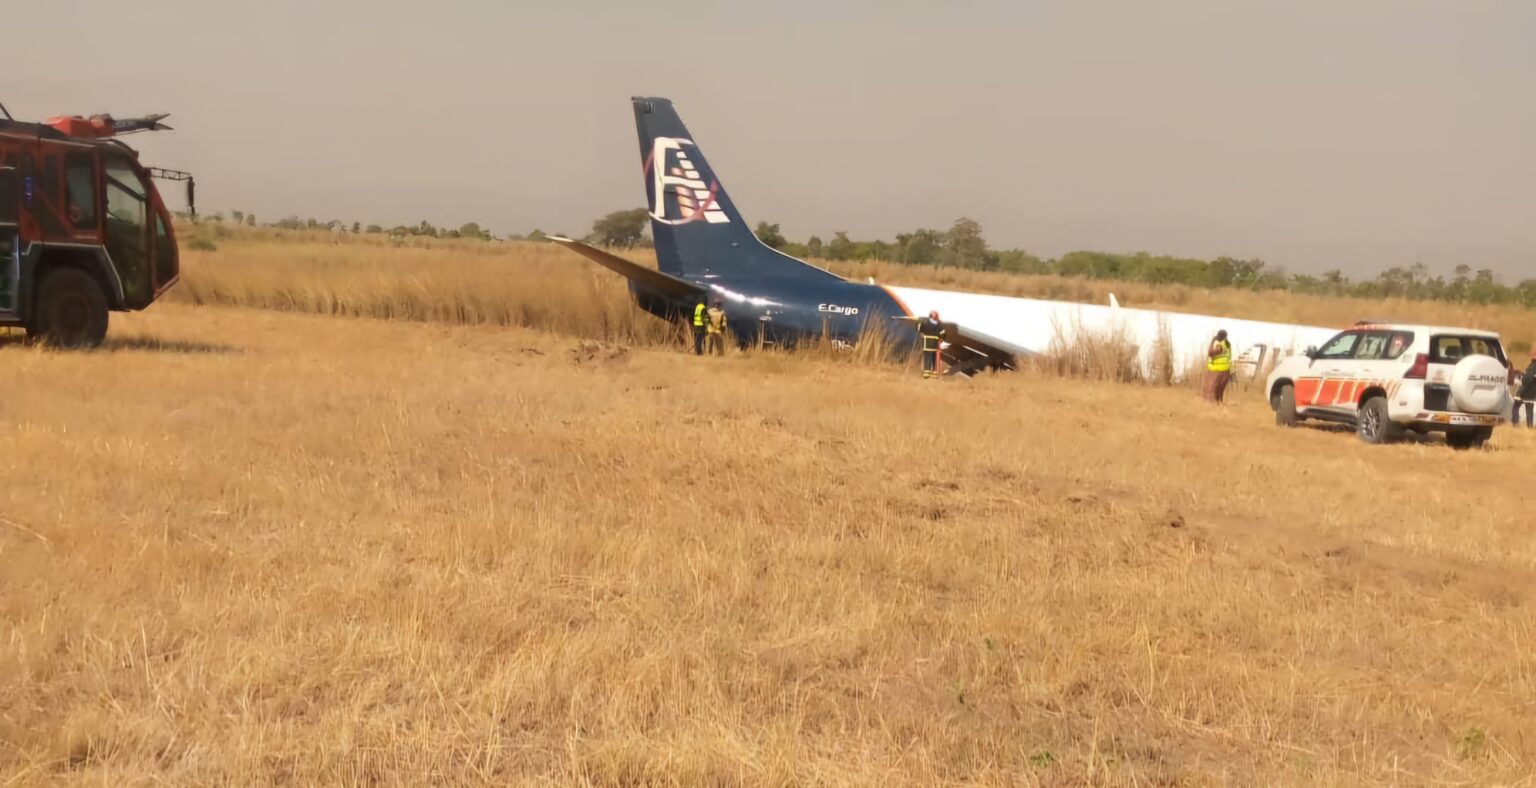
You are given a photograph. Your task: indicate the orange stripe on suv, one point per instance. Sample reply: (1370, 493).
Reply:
(1326, 392)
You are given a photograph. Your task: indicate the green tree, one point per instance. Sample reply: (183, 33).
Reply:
(373, 228)
(1525, 293)
(1302, 283)
(1247, 273)
(473, 230)
(238, 216)
(919, 247)
(840, 248)
(770, 235)
(1484, 288)
(1419, 273)
(873, 250)
(621, 228)
(1272, 279)
(813, 246)
(964, 245)
(1220, 272)
(1018, 261)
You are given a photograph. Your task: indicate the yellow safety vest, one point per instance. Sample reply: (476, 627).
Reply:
(698, 315)
(930, 340)
(1221, 362)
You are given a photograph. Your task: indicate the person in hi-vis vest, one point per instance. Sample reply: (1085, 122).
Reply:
(1218, 367)
(698, 327)
(932, 332)
(714, 328)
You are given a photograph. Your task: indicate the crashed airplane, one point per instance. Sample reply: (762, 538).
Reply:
(704, 248)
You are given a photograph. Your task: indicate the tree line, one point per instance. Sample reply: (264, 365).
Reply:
(964, 245)
(471, 230)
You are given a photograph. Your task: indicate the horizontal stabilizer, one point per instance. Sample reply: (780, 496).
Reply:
(648, 278)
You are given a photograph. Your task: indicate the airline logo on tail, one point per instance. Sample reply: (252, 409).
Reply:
(674, 176)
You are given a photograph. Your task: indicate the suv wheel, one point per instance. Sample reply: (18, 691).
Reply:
(70, 310)
(1469, 439)
(1374, 424)
(1284, 405)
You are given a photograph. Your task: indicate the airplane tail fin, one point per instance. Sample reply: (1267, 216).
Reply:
(698, 231)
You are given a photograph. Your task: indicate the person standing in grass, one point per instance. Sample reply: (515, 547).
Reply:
(1525, 395)
(714, 329)
(932, 331)
(1218, 367)
(698, 327)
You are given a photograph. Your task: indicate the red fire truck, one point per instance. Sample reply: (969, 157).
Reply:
(83, 231)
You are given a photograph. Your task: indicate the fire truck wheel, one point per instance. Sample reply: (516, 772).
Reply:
(70, 311)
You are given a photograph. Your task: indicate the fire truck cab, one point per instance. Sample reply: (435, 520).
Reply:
(83, 231)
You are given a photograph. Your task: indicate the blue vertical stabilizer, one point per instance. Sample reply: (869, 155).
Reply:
(699, 233)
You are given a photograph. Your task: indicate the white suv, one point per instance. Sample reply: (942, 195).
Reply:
(1387, 378)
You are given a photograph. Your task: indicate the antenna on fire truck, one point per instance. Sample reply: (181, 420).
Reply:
(6, 111)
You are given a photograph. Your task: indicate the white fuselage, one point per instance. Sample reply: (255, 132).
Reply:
(1032, 326)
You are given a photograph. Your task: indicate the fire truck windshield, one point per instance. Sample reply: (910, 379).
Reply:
(125, 195)
(128, 229)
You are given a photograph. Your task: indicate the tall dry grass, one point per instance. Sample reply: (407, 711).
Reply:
(539, 285)
(530, 285)
(1092, 355)
(288, 549)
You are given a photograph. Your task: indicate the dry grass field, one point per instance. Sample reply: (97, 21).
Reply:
(241, 547)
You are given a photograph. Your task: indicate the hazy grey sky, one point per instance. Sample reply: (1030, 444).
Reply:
(1348, 133)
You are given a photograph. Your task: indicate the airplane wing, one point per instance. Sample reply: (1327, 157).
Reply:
(649, 278)
(969, 350)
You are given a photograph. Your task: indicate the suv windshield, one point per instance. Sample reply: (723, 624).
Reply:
(1341, 346)
(1367, 345)
(1451, 348)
